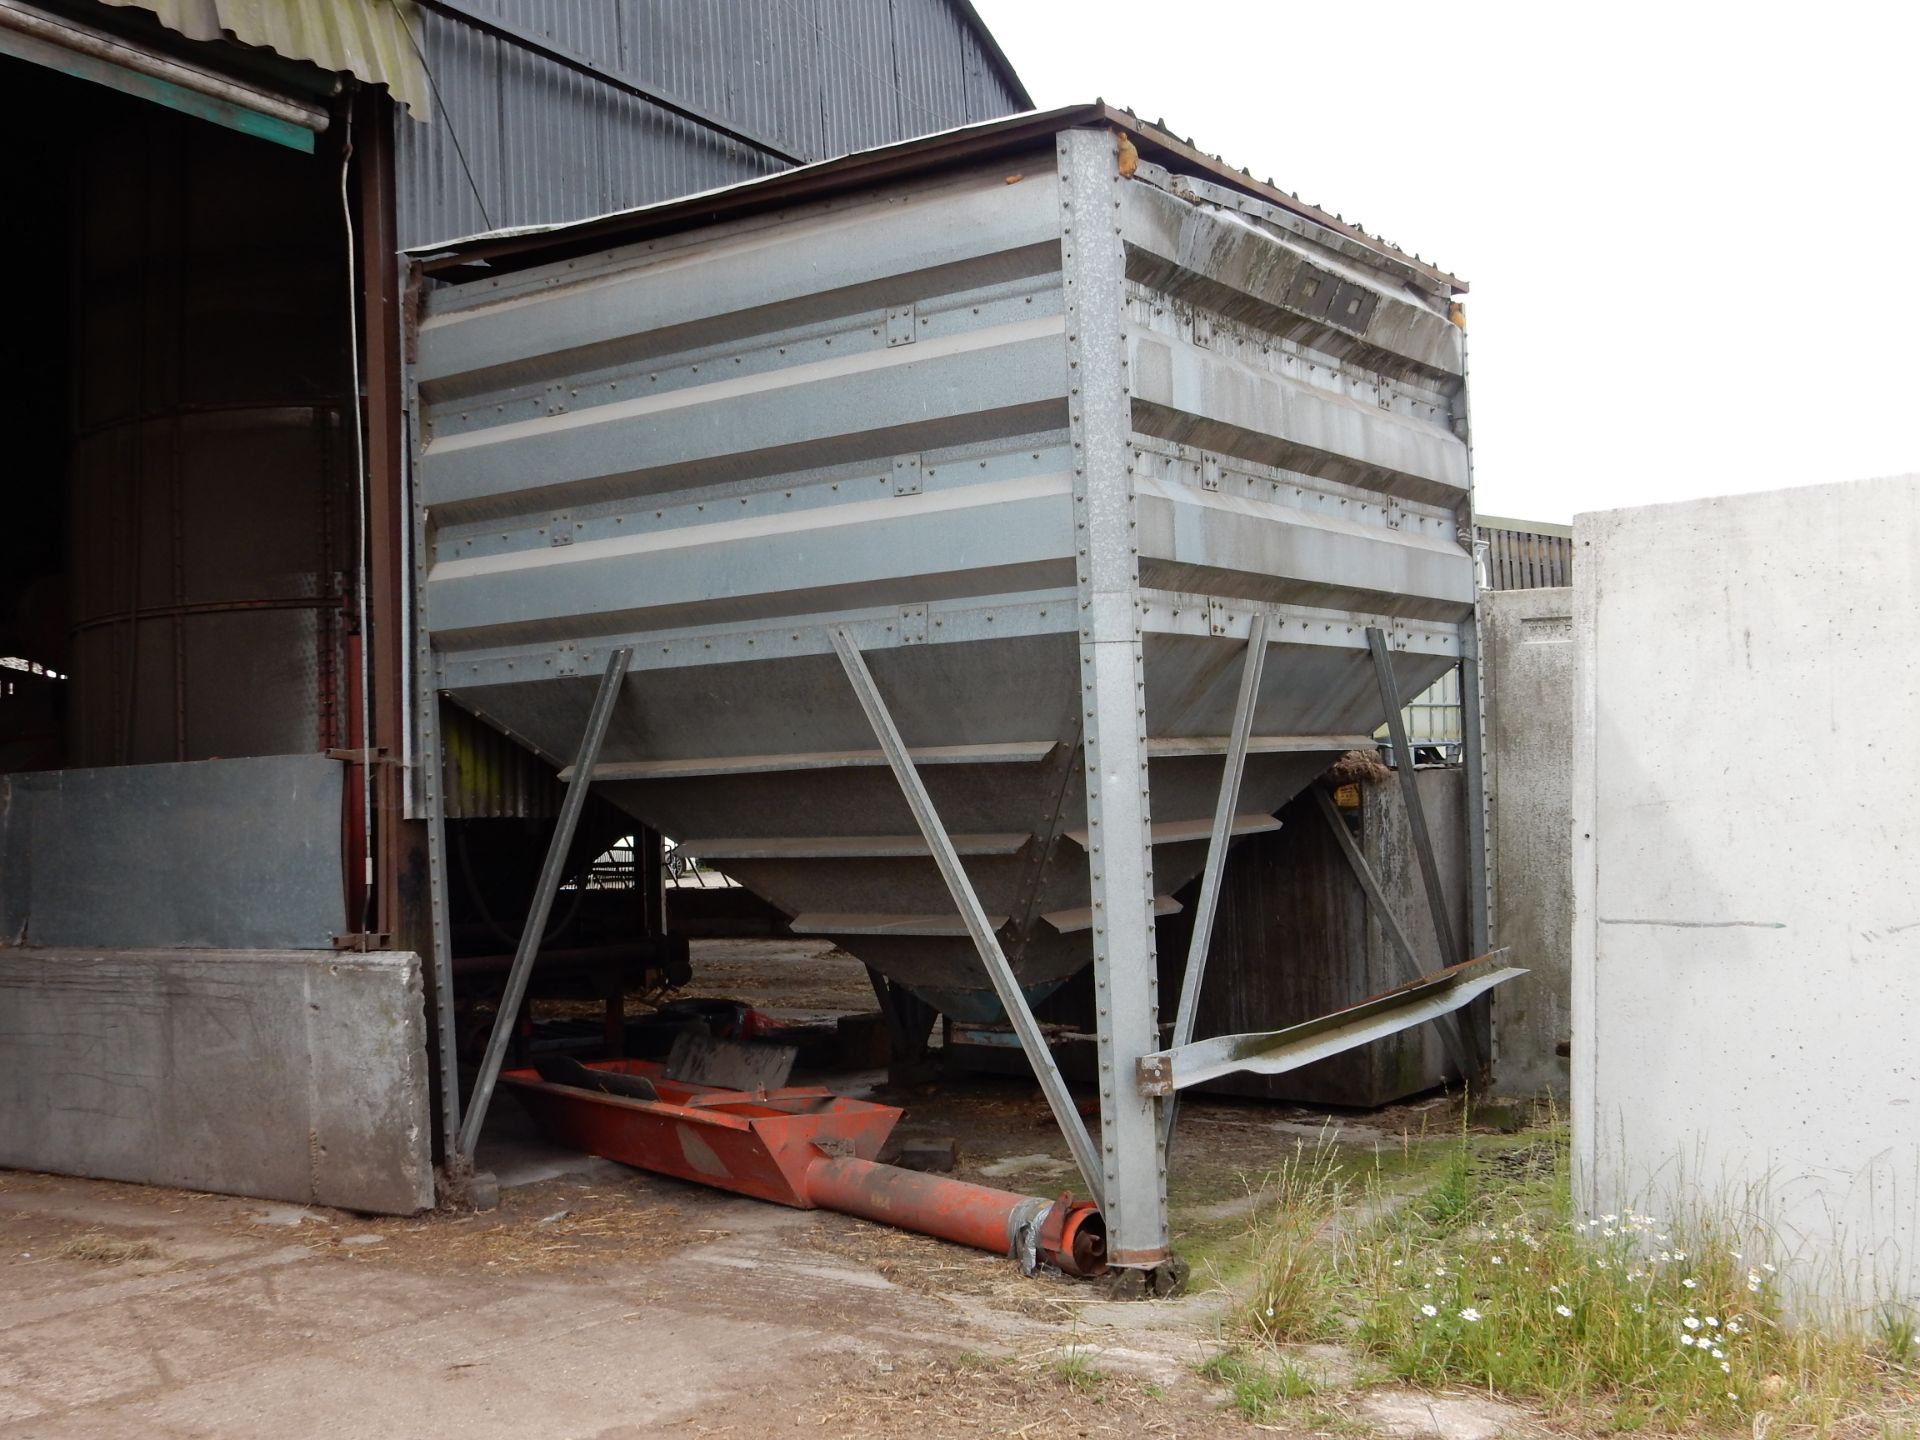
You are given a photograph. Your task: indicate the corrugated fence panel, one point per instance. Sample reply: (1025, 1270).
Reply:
(1526, 560)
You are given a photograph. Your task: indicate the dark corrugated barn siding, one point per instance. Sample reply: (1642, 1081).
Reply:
(523, 139)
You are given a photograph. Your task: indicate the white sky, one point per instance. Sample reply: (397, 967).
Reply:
(1692, 231)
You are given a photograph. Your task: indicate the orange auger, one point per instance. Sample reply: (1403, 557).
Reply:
(803, 1146)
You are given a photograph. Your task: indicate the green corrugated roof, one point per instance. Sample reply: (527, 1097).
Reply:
(371, 39)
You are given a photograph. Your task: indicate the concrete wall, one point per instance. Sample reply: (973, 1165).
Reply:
(291, 1075)
(1526, 646)
(1746, 832)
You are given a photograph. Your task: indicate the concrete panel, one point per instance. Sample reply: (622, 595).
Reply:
(230, 854)
(1746, 924)
(1526, 639)
(288, 1075)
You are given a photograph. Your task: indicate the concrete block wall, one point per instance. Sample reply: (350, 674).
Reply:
(1746, 845)
(1526, 647)
(291, 1075)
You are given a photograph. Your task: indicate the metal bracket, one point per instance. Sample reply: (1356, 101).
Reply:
(1032, 1040)
(598, 719)
(906, 474)
(901, 322)
(913, 625)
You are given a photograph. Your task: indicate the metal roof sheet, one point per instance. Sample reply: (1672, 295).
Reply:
(374, 40)
(535, 244)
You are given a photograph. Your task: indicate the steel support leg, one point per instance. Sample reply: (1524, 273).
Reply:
(1225, 808)
(1458, 1050)
(1113, 700)
(1052, 1084)
(440, 961)
(550, 874)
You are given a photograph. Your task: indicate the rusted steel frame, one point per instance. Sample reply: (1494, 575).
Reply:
(1450, 1029)
(1233, 769)
(384, 627)
(515, 992)
(1052, 1084)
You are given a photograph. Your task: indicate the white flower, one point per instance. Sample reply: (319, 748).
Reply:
(1690, 1283)
(1469, 1314)
(1733, 1327)
(1609, 1219)
(1719, 1354)
(1639, 1309)
(1691, 1323)
(1738, 1256)
(1753, 1284)
(1563, 1312)
(1686, 1340)
(1768, 1268)
(1732, 1396)
(1711, 1320)
(1725, 1368)
(1398, 1263)
(1498, 1261)
(1428, 1311)
(1679, 1254)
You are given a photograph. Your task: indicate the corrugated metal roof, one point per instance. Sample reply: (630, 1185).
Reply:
(365, 38)
(520, 245)
(553, 110)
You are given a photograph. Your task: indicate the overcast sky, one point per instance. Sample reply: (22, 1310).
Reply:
(1692, 231)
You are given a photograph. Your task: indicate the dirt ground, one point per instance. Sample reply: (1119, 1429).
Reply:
(599, 1301)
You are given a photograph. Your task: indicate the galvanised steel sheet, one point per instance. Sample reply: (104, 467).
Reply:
(718, 443)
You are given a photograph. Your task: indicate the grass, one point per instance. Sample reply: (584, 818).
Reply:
(102, 1249)
(1260, 1388)
(1076, 1368)
(1480, 1276)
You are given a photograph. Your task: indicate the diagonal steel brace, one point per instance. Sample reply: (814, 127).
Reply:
(1452, 951)
(1450, 1033)
(550, 874)
(1225, 808)
(979, 927)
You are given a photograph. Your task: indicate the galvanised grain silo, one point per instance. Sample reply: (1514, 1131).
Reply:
(928, 509)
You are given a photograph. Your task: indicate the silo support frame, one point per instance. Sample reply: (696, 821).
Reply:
(1113, 709)
(979, 927)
